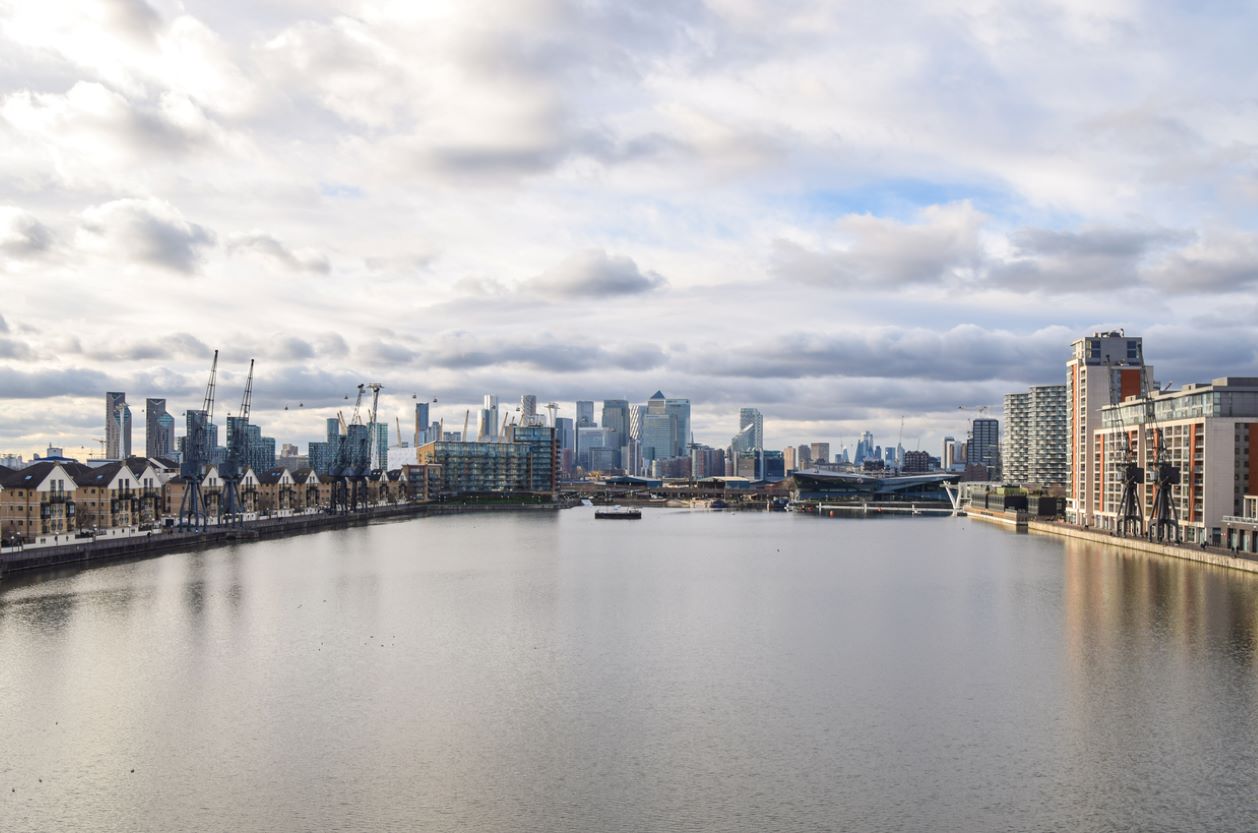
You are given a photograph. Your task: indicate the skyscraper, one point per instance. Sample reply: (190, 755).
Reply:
(750, 436)
(616, 419)
(159, 429)
(117, 426)
(421, 424)
(804, 456)
(679, 409)
(585, 412)
(985, 445)
(488, 422)
(1104, 369)
(820, 452)
(528, 410)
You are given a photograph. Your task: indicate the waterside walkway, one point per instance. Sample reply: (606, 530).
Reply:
(1189, 552)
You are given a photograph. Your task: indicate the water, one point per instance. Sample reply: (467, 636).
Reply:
(690, 671)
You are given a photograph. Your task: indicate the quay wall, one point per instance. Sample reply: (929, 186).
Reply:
(1185, 552)
(85, 553)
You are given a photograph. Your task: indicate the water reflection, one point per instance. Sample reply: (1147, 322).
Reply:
(692, 671)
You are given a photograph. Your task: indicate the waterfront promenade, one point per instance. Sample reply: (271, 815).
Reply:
(1205, 555)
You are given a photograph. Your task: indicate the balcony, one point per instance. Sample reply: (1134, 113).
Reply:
(57, 497)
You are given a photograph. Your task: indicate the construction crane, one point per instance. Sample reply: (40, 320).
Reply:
(193, 511)
(343, 463)
(237, 456)
(466, 416)
(981, 409)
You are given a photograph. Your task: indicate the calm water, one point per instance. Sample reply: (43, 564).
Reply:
(688, 672)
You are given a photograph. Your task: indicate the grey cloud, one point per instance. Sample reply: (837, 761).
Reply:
(595, 274)
(149, 230)
(882, 253)
(134, 17)
(13, 349)
(962, 354)
(175, 345)
(461, 351)
(22, 235)
(1219, 262)
(41, 384)
(1053, 260)
(4, 325)
(269, 247)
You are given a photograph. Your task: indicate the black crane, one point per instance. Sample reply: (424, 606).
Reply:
(193, 512)
(1130, 513)
(237, 457)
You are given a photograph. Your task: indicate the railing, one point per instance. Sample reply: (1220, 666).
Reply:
(1239, 519)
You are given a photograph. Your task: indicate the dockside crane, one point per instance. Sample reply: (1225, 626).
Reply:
(193, 512)
(1163, 517)
(343, 463)
(237, 458)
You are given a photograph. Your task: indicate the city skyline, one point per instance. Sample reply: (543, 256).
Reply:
(837, 218)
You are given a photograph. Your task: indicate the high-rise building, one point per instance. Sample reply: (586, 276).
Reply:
(117, 426)
(706, 462)
(585, 412)
(679, 409)
(528, 410)
(1033, 449)
(788, 457)
(984, 446)
(804, 456)
(1104, 369)
(949, 455)
(422, 424)
(864, 448)
(616, 418)
(159, 429)
(487, 425)
(659, 433)
(592, 437)
(820, 452)
(750, 430)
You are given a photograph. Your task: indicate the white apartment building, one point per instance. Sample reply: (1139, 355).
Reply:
(1033, 448)
(1104, 369)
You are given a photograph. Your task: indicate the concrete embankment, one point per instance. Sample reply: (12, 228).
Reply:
(87, 552)
(1182, 551)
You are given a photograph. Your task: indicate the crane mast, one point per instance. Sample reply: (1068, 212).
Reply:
(197, 454)
(237, 457)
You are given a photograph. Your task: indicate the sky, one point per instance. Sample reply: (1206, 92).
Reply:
(849, 215)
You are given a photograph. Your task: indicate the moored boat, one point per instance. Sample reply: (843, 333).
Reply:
(618, 513)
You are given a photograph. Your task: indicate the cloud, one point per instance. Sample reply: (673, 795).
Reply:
(21, 235)
(167, 347)
(595, 274)
(1055, 260)
(964, 353)
(44, 383)
(877, 252)
(148, 230)
(1221, 261)
(268, 247)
